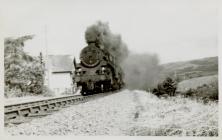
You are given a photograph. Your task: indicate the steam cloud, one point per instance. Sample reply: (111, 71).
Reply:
(141, 71)
(100, 33)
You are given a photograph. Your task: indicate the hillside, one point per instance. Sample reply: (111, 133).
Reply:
(195, 82)
(191, 69)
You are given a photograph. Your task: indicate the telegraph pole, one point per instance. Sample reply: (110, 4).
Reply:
(47, 59)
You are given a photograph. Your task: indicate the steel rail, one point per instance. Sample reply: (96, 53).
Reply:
(22, 112)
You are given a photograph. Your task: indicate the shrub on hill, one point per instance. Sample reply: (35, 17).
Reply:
(166, 88)
(205, 92)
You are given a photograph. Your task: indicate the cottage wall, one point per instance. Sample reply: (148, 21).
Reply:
(58, 76)
(61, 82)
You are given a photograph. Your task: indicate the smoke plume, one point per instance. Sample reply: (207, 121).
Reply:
(141, 71)
(100, 33)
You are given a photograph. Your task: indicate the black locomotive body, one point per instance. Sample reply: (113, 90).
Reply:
(97, 71)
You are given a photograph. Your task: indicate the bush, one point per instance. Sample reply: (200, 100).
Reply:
(167, 87)
(23, 73)
(16, 92)
(47, 92)
(204, 92)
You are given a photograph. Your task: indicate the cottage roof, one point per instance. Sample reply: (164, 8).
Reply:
(60, 63)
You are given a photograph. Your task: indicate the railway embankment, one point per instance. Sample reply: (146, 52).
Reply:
(127, 113)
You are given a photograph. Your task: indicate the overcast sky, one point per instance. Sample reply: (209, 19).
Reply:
(174, 29)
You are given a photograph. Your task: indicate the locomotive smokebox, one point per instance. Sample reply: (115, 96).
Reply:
(90, 56)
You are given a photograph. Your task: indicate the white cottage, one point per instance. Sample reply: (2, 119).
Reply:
(59, 73)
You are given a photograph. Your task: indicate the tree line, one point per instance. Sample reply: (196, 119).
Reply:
(23, 74)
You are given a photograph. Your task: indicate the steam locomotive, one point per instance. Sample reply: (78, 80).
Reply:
(97, 71)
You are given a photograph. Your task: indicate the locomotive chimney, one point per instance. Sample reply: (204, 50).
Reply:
(96, 43)
(74, 62)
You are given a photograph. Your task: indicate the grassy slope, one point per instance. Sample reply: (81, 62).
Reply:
(195, 82)
(201, 67)
(174, 116)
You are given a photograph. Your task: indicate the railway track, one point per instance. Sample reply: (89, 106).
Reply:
(26, 111)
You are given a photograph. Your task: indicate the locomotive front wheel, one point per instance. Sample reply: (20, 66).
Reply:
(102, 88)
(83, 93)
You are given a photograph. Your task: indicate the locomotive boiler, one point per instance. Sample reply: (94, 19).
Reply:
(97, 71)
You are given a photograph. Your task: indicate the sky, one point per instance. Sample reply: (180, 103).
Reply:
(175, 30)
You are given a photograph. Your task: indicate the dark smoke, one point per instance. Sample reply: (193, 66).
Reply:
(141, 71)
(100, 33)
